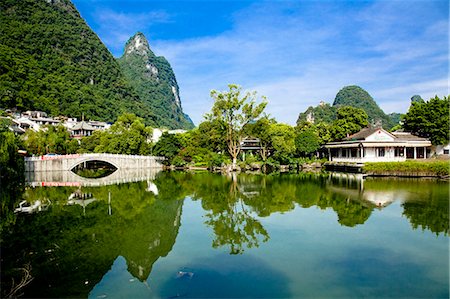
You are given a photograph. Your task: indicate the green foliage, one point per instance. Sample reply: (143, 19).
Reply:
(395, 119)
(357, 97)
(89, 143)
(429, 119)
(210, 135)
(154, 81)
(50, 60)
(349, 121)
(128, 135)
(322, 113)
(51, 139)
(440, 168)
(12, 171)
(234, 112)
(168, 146)
(307, 142)
(417, 98)
(283, 142)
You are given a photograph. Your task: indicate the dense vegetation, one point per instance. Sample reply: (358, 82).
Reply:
(50, 60)
(353, 96)
(154, 81)
(11, 174)
(432, 168)
(429, 119)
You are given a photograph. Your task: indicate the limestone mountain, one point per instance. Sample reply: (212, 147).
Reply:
(353, 96)
(154, 81)
(357, 97)
(50, 60)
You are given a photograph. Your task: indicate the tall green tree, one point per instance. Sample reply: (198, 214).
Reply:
(234, 111)
(429, 119)
(261, 130)
(307, 141)
(283, 142)
(51, 139)
(128, 135)
(349, 121)
(168, 146)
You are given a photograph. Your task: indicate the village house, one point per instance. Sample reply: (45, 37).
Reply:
(378, 145)
(81, 129)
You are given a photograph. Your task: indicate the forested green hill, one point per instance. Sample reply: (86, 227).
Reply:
(357, 97)
(154, 81)
(353, 96)
(50, 60)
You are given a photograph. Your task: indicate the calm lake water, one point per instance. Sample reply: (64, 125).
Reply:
(205, 235)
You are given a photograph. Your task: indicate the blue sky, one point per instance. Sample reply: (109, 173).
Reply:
(297, 53)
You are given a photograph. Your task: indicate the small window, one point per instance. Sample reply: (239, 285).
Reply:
(446, 152)
(380, 151)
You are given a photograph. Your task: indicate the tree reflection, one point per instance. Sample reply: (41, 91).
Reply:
(232, 221)
(70, 249)
(431, 213)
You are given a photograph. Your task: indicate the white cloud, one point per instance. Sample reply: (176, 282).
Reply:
(299, 53)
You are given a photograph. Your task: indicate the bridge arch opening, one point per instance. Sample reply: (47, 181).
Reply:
(94, 169)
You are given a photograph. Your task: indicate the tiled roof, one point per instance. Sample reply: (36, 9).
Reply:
(363, 134)
(83, 126)
(405, 136)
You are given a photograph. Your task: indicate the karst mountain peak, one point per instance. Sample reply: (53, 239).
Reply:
(138, 44)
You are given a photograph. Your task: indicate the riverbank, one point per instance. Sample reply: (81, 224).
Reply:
(426, 168)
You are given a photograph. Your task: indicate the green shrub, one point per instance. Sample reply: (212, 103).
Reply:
(440, 168)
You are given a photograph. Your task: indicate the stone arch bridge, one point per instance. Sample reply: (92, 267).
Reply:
(68, 162)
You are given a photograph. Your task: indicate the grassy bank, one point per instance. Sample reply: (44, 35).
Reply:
(409, 168)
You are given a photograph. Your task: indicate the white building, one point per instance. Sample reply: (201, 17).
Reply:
(378, 145)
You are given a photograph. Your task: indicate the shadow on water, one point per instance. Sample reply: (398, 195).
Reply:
(368, 272)
(227, 276)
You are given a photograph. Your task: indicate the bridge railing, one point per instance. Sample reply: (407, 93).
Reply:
(100, 155)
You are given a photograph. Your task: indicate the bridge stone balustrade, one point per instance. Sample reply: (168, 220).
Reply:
(69, 178)
(68, 162)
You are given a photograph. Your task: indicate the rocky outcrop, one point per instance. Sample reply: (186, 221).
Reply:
(154, 81)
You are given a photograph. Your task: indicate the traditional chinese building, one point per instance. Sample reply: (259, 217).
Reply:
(378, 145)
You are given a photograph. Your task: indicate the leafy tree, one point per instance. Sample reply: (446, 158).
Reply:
(429, 119)
(283, 142)
(349, 121)
(307, 142)
(89, 143)
(50, 139)
(234, 112)
(11, 174)
(210, 134)
(261, 130)
(11, 164)
(168, 146)
(128, 135)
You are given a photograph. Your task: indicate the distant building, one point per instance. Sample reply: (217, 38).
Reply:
(81, 129)
(157, 133)
(250, 144)
(378, 145)
(442, 150)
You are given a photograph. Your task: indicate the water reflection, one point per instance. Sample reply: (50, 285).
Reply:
(72, 246)
(90, 231)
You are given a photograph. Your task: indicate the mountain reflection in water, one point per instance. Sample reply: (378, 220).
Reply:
(86, 230)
